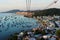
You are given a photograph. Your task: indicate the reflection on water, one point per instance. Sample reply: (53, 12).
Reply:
(12, 23)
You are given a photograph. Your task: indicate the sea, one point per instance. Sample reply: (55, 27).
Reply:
(11, 23)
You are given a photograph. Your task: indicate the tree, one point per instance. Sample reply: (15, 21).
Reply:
(58, 33)
(13, 37)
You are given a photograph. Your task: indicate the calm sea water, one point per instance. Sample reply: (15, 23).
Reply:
(6, 14)
(11, 23)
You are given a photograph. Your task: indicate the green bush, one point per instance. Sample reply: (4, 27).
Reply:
(58, 33)
(43, 32)
(13, 37)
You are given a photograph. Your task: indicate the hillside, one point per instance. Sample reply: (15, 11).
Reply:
(46, 12)
(13, 11)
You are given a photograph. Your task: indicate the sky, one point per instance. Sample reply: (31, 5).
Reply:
(21, 4)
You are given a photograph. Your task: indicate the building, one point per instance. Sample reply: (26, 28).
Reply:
(26, 14)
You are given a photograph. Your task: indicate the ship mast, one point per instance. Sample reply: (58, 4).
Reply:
(28, 5)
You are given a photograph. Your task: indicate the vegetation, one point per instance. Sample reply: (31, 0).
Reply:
(46, 12)
(13, 37)
(58, 33)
